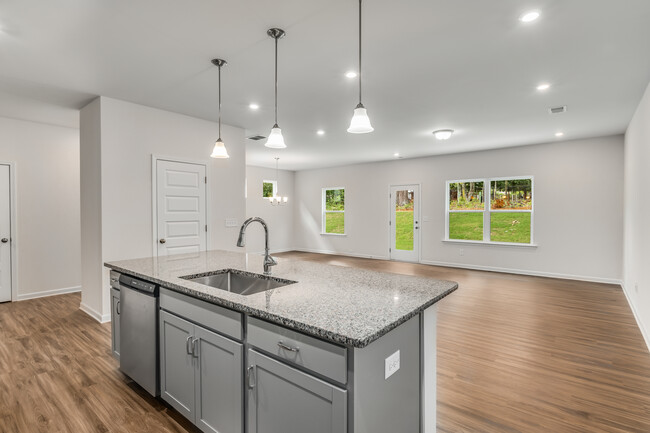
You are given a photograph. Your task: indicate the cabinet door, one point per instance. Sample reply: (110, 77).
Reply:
(115, 323)
(177, 364)
(282, 399)
(218, 383)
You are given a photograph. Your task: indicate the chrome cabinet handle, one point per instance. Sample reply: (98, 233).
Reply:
(162, 241)
(250, 373)
(187, 345)
(5, 240)
(281, 345)
(195, 347)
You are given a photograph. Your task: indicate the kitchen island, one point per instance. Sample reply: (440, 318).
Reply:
(334, 349)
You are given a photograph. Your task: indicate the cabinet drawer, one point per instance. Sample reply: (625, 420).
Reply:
(222, 320)
(311, 353)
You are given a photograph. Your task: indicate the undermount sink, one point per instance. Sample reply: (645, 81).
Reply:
(242, 283)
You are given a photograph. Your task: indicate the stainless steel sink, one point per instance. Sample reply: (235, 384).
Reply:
(243, 283)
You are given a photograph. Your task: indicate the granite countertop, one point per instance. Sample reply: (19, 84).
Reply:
(348, 306)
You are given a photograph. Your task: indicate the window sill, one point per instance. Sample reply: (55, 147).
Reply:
(333, 234)
(502, 244)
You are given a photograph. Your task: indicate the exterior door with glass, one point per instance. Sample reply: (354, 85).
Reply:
(405, 223)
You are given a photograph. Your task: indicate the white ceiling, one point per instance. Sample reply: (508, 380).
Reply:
(469, 65)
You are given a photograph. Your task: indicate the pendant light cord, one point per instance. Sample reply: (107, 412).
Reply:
(219, 102)
(276, 81)
(360, 52)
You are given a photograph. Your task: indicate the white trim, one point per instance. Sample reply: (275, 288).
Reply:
(336, 253)
(323, 213)
(277, 251)
(94, 314)
(154, 197)
(503, 244)
(333, 234)
(523, 272)
(637, 317)
(13, 229)
(45, 293)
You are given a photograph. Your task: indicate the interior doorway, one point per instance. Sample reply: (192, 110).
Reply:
(405, 223)
(5, 233)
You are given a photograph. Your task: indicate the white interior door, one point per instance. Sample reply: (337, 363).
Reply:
(405, 223)
(5, 235)
(181, 207)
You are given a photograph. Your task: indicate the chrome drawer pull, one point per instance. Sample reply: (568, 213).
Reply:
(195, 348)
(281, 345)
(187, 345)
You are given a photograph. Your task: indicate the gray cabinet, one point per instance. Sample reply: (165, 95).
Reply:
(283, 399)
(115, 323)
(201, 375)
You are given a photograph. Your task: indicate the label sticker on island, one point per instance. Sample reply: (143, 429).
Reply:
(392, 365)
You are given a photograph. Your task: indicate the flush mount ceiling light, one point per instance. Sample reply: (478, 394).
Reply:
(277, 199)
(276, 140)
(219, 150)
(544, 86)
(529, 17)
(443, 134)
(360, 123)
(559, 134)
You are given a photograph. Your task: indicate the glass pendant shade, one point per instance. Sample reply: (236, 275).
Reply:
(219, 150)
(275, 140)
(360, 123)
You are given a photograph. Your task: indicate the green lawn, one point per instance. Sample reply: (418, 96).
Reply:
(335, 223)
(510, 227)
(466, 226)
(404, 231)
(505, 227)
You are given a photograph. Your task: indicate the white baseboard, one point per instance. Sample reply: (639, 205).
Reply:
(94, 314)
(637, 317)
(26, 296)
(523, 272)
(272, 251)
(337, 253)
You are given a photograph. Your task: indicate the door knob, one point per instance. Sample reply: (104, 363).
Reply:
(5, 240)
(162, 241)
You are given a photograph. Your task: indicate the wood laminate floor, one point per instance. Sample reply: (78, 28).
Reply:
(515, 354)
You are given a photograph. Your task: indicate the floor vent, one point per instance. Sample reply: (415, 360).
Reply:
(557, 110)
(256, 137)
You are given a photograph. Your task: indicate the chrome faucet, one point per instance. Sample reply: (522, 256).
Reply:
(268, 259)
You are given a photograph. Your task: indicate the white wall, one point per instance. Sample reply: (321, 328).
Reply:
(578, 200)
(128, 136)
(47, 201)
(279, 218)
(637, 215)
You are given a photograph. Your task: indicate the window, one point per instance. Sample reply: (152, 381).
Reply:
(269, 188)
(505, 217)
(334, 211)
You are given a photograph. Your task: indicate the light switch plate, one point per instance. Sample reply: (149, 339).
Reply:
(392, 365)
(231, 222)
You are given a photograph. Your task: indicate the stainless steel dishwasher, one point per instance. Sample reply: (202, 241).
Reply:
(139, 332)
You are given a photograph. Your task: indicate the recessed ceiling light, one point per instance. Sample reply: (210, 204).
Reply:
(351, 74)
(544, 86)
(443, 134)
(529, 17)
(559, 134)
(320, 132)
(396, 155)
(254, 106)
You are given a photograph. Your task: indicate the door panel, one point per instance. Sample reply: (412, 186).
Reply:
(284, 399)
(181, 207)
(176, 364)
(218, 383)
(5, 233)
(405, 223)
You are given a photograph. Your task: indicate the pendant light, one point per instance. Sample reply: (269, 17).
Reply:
(219, 150)
(277, 200)
(360, 123)
(276, 140)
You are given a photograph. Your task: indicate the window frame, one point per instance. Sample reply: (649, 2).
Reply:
(275, 188)
(324, 212)
(487, 211)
